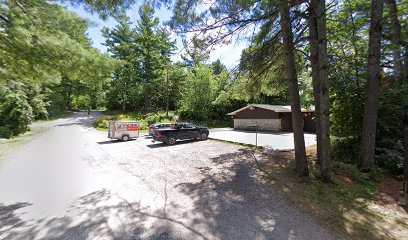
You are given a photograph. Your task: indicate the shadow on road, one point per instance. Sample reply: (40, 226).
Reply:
(93, 217)
(81, 119)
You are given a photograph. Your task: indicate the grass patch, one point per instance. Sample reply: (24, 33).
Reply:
(102, 129)
(347, 206)
(237, 144)
(7, 146)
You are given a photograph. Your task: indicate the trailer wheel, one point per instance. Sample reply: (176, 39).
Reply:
(171, 140)
(125, 137)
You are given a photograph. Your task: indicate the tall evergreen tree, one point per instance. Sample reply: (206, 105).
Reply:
(154, 49)
(367, 148)
(121, 43)
(290, 65)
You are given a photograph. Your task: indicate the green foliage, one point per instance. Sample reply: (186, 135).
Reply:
(198, 93)
(145, 51)
(104, 8)
(160, 117)
(15, 110)
(144, 119)
(348, 63)
(346, 149)
(393, 118)
(46, 58)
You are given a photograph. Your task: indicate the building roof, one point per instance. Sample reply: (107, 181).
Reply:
(275, 108)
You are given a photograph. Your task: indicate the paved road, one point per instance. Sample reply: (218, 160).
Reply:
(73, 183)
(275, 141)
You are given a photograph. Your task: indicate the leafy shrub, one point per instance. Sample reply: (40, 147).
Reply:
(389, 155)
(15, 111)
(392, 118)
(81, 102)
(104, 122)
(160, 117)
(5, 132)
(346, 149)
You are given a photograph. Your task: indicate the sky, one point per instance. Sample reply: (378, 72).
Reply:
(228, 54)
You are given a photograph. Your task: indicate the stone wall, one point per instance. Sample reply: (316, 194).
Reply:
(272, 125)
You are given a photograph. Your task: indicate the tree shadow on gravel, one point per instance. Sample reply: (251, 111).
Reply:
(98, 215)
(91, 217)
(233, 203)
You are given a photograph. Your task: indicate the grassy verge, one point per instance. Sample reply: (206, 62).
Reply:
(7, 146)
(101, 129)
(237, 144)
(349, 206)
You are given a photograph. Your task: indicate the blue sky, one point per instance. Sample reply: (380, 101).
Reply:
(228, 54)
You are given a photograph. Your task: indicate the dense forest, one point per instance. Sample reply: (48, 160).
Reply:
(348, 58)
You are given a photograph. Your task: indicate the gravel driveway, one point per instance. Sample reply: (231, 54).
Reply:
(74, 183)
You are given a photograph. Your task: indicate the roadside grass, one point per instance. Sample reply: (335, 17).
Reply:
(102, 129)
(349, 206)
(237, 144)
(8, 146)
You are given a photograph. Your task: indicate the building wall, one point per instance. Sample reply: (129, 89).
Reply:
(268, 120)
(286, 121)
(272, 125)
(309, 124)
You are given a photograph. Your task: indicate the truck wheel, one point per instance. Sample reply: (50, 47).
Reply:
(171, 140)
(125, 137)
(203, 136)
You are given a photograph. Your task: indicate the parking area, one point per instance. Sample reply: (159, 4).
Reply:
(276, 141)
(99, 188)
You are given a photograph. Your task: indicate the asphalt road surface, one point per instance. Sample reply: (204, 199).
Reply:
(72, 182)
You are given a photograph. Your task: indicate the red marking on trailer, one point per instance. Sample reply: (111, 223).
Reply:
(133, 128)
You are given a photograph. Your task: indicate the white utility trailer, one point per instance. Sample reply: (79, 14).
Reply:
(123, 130)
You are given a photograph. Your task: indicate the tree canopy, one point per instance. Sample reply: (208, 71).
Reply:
(48, 65)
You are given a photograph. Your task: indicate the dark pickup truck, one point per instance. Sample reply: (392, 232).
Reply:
(180, 131)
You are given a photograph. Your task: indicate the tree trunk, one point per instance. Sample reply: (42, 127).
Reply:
(124, 101)
(405, 187)
(68, 102)
(367, 147)
(290, 66)
(395, 40)
(314, 61)
(325, 161)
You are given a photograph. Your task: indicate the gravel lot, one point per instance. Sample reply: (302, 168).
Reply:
(74, 183)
